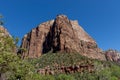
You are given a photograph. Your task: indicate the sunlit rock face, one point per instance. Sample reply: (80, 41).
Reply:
(4, 32)
(112, 55)
(60, 35)
(6, 41)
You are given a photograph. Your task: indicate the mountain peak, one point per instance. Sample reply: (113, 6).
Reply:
(62, 19)
(61, 16)
(60, 35)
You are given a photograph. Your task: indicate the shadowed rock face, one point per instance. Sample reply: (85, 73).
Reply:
(60, 35)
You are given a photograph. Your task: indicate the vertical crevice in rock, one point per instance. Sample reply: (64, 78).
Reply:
(47, 43)
(55, 37)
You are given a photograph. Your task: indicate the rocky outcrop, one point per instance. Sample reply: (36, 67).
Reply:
(6, 41)
(112, 55)
(66, 69)
(4, 32)
(60, 35)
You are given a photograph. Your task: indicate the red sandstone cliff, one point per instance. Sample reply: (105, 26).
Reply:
(60, 35)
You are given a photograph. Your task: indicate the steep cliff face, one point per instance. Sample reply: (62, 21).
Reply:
(33, 41)
(60, 35)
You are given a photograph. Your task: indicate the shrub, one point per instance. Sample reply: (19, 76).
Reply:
(64, 77)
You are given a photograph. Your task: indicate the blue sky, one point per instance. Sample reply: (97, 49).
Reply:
(100, 18)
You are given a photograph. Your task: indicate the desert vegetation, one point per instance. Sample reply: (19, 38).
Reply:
(13, 67)
(101, 70)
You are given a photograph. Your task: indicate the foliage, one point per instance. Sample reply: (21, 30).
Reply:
(60, 59)
(7, 44)
(16, 68)
(65, 77)
(103, 70)
(11, 66)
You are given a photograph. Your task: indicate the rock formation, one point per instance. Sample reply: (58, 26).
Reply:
(4, 32)
(60, 35)
(66, 69)
(6, 41)
(112, 55)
